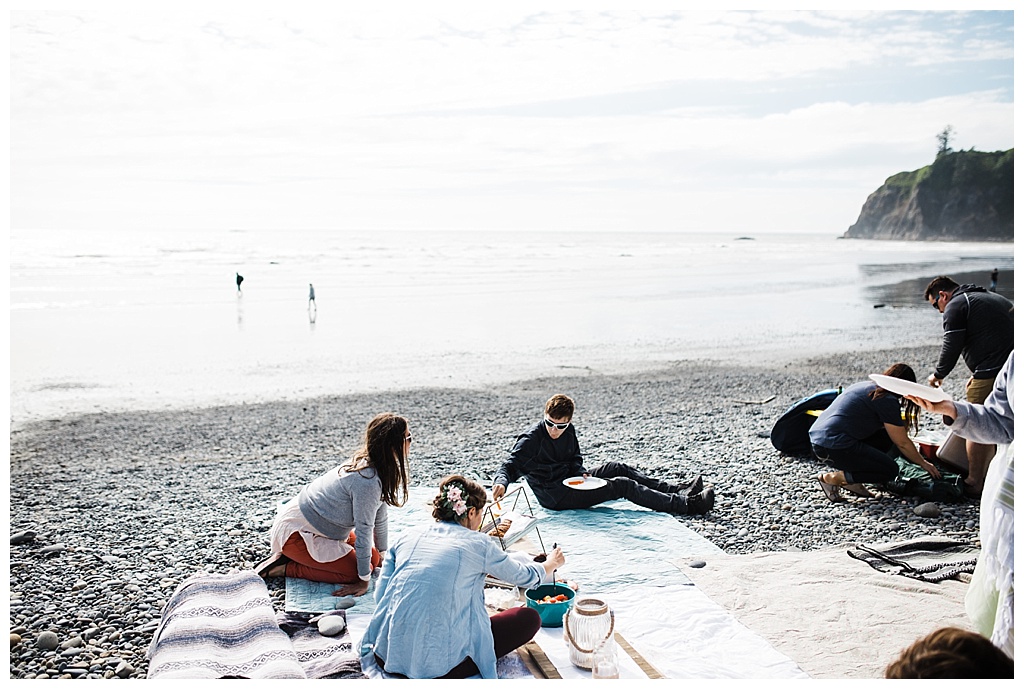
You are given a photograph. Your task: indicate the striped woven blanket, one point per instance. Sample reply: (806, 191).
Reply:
(224, 625)
(928, 558)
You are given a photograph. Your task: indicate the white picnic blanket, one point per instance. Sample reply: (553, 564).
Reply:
(625, 555)
(832, 614)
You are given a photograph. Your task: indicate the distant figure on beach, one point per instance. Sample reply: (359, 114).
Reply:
(995, 279)
(951, 653)
(336, 527)
(990, 596)
(238, 281)
(548, 453)
(855, 433)
(979, 324)
(312, 296)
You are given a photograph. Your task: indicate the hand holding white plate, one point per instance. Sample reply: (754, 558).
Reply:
(584, 482)
(905, 387)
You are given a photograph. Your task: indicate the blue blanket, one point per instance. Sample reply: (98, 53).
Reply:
(610, 547)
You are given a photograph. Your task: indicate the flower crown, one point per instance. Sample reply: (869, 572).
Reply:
(455, 498)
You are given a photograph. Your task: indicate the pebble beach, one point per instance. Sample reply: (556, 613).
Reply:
(110, 512)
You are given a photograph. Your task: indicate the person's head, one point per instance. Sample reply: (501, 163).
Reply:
(951, 653)
(461, 501)
(558, 414)
(386, 449)
(939, 291)
(911, 411)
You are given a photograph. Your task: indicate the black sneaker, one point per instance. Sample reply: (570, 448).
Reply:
(701, 503)
(691, 487)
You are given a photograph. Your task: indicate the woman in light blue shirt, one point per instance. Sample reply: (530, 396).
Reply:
(431, 620)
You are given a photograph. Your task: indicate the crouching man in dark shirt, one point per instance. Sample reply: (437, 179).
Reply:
(548, 453)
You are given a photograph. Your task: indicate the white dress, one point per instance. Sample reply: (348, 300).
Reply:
(290, 520)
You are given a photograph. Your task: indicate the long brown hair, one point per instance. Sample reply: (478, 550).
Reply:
(384, 450)
(910, 410)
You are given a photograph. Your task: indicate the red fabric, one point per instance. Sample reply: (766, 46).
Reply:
(341, 571)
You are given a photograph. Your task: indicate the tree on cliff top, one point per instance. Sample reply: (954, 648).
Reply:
(944, 137)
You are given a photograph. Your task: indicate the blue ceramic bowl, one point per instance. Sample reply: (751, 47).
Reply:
(551, 614)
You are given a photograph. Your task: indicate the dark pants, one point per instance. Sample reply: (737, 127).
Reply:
(510, 628)
(625, 482)
(862, 463)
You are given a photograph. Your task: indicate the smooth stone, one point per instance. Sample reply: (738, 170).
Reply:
(344, 603)
(124, 669)
(927, 509)
(55, 548)
(697, 564)
(23, 537)
(331, 625)
(47, 641)
(15, 639)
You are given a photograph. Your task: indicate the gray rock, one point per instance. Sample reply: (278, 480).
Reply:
(73, 642)
(697, 564)
(927, 509)
(23, 537)
(47, 641)
(331, 625)
(55, 548)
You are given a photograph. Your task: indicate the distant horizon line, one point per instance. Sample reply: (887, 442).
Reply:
(734, 234)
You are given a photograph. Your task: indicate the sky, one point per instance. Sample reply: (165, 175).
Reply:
(473, 117)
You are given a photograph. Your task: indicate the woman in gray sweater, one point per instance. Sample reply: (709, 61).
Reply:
(335, 528)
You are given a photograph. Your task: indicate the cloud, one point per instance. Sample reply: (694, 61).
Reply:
(213, 116)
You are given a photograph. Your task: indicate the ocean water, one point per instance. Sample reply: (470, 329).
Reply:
(120, 320)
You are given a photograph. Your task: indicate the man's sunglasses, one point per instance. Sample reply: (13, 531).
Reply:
(560, 426)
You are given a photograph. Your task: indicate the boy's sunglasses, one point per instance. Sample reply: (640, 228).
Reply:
(560, 426)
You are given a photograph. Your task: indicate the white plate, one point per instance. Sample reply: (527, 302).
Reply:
(588, 483)
(905, 387)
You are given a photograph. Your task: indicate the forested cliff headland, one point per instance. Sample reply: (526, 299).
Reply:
(963, 195)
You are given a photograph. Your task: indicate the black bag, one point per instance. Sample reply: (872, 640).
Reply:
(913, 481)
(789, 435)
